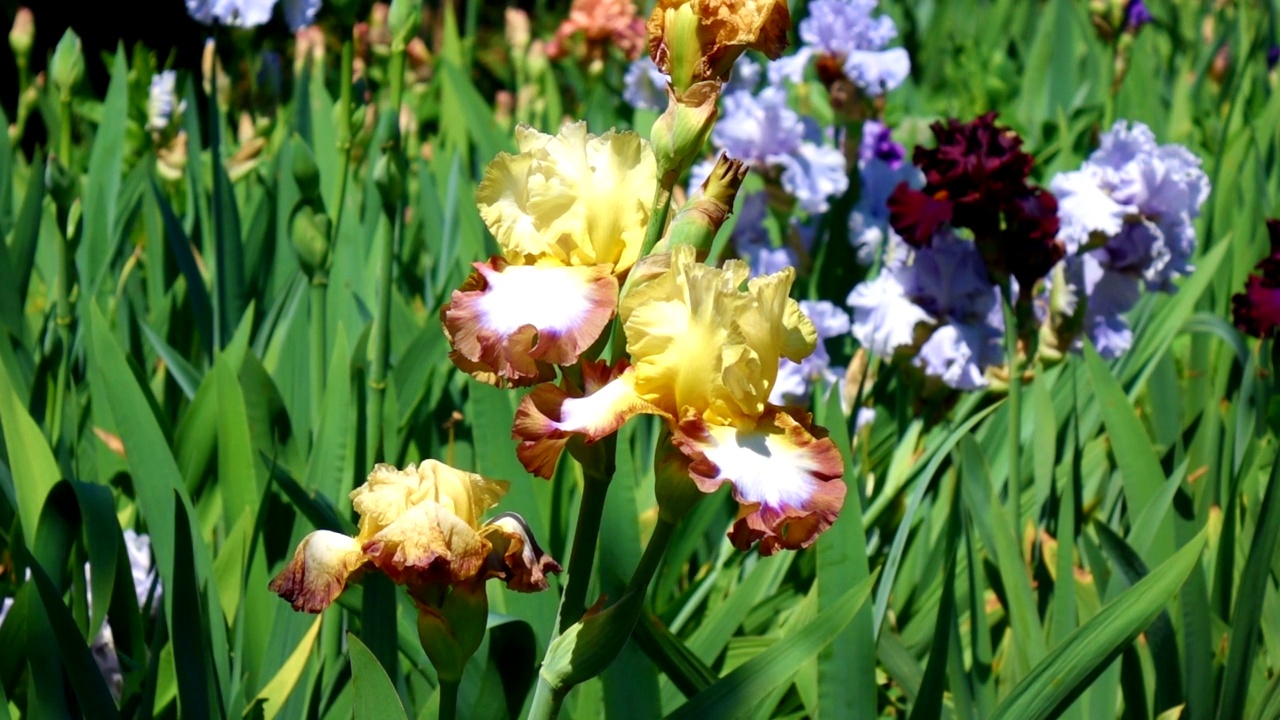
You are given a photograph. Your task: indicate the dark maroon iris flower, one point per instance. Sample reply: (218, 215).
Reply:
(1256, 311)
(976, 178)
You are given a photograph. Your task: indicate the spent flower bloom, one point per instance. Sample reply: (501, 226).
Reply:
(422, 528)
(848, 42)
(601, 23)
(1127, 218)
(704, 355)
(569, 212)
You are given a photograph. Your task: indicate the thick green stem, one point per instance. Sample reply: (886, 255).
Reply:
(319, 286)
(62, 279)
(1015, 411)
(652, 557)
(448, 699)
(582, 555)
(546, 701)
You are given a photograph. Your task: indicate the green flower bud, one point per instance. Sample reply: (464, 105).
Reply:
(388, 176)
(305, 172)
(681, 131)
(22, 35)
(451, 628)
(404, 19)
(67, 65)
(59, 182)
(309, 231)
(701, 217)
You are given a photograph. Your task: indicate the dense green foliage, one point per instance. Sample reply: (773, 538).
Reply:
(191, 391)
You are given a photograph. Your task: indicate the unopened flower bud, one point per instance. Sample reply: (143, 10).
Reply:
(702, 216)
(67, 66)
(517, 31)
(388, 177)
(404, 18)
(682, 130)
(22, 35)
(537, 61)
(305, 172)
(451, 628)
(309, 232)
(171, 159)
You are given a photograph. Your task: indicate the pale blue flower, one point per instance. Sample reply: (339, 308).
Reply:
(1127, 215)
(232, 13)
(846, 30)
(645, 86)
(162, 104)
(881, 169)
(755, 128)
(796, 380)
(300, 13)
(942, 294)
(813, 174)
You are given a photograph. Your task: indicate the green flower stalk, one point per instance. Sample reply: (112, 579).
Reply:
(66, 68)
(404, 18)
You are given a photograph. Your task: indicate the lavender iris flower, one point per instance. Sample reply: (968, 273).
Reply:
(645, 86)
(845, 30)
(1127, 218)
(300, 13)
(232, 13)
(881, 168)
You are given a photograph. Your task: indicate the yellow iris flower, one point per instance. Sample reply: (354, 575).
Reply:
(569, 212)
(704, 344)
(421, 527)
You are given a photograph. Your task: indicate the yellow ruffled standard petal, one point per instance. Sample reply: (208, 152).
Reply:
(550, 416)
(570, 199)
(319, 570)
(515, 557)
(509, 324)
(786, 476)
(389, 493)
(429, 544)
(701, 343)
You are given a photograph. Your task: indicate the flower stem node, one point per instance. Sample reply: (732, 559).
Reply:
(680, 133)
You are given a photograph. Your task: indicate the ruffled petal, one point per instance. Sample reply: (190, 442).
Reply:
(516, 557)
(786, 476)
(551, 415)
(319, 570)
(428, 544)
(509, 323)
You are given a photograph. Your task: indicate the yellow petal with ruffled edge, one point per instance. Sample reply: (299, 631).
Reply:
(701, 343)
(570, 199)
(428, 544)
(389, 493)
(319, 570)
(786, 476)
